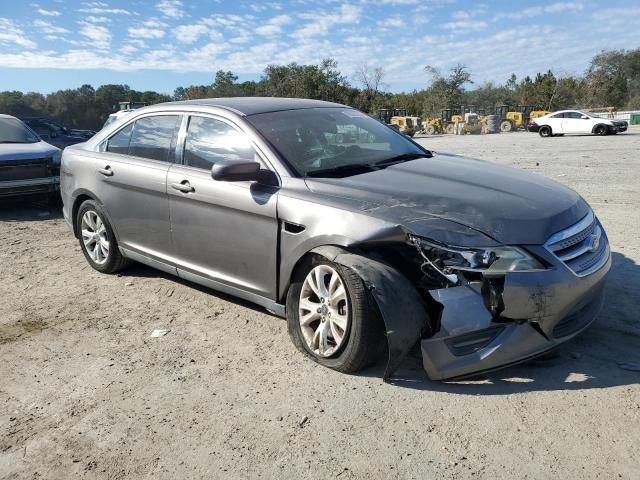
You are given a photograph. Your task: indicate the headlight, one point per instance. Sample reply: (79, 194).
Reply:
(490, 262)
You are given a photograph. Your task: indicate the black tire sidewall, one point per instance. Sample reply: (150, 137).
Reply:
(359, 311)
(545, 131)
(112, 259)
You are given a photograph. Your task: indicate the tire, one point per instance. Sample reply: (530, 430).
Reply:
(600, 130)
(363, 338)
(430, 130)
(545, 131)
(91, 219)
(450, 129)
(506, 126)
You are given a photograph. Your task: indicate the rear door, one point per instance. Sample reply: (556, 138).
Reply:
(132, 172)
(226, 232)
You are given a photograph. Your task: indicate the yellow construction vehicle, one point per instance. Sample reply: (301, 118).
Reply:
(432, 126)
(472, 124)
(406, 125)
(510, 119)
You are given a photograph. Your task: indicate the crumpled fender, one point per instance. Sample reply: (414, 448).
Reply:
(400, 304)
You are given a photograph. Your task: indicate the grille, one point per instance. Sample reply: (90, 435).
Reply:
(582, 247)
(25, 169)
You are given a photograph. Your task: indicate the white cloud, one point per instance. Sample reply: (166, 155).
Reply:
(48, 27)
(466, 25)
(171, 8)
(320, 23)
(144, 32)
(92, 19)
(49, 13)
(10, 34)
(103, 10)
(151, 29)
(539, 10)
(189, 33)
(98, 35)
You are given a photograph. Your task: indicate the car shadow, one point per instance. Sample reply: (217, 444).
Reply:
(29, 209)
(138, 270)
(606, 355)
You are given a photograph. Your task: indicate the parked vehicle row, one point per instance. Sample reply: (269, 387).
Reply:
(355, 233)
(57, 134)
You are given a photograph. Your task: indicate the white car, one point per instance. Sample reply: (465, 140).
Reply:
(575, 122)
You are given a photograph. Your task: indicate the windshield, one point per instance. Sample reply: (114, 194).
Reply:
(13, 130)
(316, 141)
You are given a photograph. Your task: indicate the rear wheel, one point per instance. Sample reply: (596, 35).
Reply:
(331, 318)
(430, 130)
(451, 129)
(97, 240)
(545, 131)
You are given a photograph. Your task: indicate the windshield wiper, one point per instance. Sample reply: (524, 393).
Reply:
(403, 157)
(342, 170)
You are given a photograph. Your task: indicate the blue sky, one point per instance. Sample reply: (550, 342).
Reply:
(161, 44)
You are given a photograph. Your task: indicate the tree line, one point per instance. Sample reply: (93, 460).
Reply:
(612, 80)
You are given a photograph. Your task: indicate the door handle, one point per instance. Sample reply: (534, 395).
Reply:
(106, 171)
(184, 187)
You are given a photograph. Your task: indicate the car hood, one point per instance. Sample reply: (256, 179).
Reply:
(507, 204)
(26, 151)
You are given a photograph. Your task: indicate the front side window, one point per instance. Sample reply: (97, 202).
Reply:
(210, 141)
(558, 115)
(333, 141)
(574, 115)
(152, 137)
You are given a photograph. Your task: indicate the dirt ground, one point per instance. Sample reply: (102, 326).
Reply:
(85, 392)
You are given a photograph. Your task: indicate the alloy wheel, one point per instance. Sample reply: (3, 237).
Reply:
(324, 311)
(94, 237)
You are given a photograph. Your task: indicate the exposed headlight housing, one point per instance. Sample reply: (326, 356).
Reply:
(453, 262)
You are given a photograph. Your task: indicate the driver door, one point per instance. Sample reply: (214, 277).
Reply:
(224, 232)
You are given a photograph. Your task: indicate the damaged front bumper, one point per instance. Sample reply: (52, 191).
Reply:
(541, 309)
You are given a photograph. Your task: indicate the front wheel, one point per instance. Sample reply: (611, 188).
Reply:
(97, 240)
(331, 317)
(600, 130)
(545, 131)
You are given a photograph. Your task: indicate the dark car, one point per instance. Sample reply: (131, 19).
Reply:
(28, 165)
(359, 240)
(57, 134)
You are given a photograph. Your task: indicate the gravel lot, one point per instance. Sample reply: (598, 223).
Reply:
(85, 392)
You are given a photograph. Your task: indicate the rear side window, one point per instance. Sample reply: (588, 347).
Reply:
(210, 141)
(152, 137)
(119, 143)
(557, 115)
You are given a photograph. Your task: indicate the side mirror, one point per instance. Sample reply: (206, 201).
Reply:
(227, 171)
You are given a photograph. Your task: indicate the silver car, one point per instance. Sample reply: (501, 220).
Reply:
(367, 243)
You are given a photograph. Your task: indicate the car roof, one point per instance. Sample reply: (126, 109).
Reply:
(253, 105)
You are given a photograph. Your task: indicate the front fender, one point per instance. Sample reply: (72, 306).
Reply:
(400, 304)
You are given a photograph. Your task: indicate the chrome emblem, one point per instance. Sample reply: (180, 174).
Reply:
(595, 240)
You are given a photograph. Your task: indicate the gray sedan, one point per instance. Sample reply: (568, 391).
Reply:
(366, 242)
